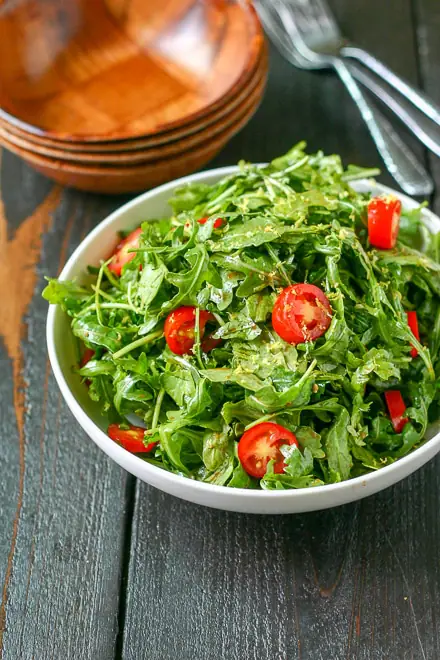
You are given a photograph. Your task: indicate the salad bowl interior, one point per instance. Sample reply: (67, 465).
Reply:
(64, 354)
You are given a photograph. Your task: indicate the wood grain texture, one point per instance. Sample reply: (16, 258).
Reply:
(62, 504)
(150, 142)
(95, 74)
(139, 172)
(354, 582)
(359, 582)
(116, 179)
(241, 107)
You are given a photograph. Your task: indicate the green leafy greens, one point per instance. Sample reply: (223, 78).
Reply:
(295, 220)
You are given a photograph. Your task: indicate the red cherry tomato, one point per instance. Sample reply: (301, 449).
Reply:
(131, 439)
(383, 221)
(262, 443)
(208, 343)
(121, 255)
(396, 408)
(217, 223)
(414, 327)
(301, 313)
(86, 356)
(179, 330)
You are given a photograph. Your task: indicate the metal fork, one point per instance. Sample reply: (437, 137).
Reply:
(398, 158)
(322, 35)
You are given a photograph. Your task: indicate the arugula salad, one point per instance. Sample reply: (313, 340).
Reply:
(279, 330)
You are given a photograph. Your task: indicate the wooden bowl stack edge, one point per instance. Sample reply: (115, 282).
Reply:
(119, 96)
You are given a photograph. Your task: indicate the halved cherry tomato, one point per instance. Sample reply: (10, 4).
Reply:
(414, 327)
(122, 255)
(86, 356)
(301, 313)
(131, 439)
(208, 343)
(262, 443)
(179, 330)
(383, 221)
(217, 223)
(396, 408)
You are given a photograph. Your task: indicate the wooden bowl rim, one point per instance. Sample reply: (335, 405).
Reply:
(143, 145)
(174, 148)
(255, 47)
(132, 170)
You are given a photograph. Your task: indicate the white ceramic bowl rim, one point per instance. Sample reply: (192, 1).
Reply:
(134, 464)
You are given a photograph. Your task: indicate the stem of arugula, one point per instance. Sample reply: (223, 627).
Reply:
(139, 342)
(260, 420)
(114, 281)
(177, 359)
(102, 293)
(295, 166)
(197, 338)
(130, 301)
(214, 202)
(278, 263)
(157, 409)
(218, 318)
(109, 305)
(97, 292)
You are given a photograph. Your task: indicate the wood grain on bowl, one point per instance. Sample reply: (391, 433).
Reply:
(250, 97)
(95, 76)
(156, 140)
(120, 179)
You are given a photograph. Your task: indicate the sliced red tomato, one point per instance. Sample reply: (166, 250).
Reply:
(383, 221)
(414, 327)
(301, 313)
(396, 408)
(217, 223)
(262, 443)
(208, 343)
(131, 439)
(179, 330)
(88, 354)
(122, 255)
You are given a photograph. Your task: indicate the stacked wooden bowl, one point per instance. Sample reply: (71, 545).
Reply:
(121, 95)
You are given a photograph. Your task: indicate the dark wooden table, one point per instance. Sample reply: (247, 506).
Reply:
(96, 565)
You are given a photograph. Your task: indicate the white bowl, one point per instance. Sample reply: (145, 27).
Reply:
(62, 354)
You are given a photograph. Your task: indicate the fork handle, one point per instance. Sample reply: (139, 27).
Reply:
(423, 128)
(415, 96)
(399, 160)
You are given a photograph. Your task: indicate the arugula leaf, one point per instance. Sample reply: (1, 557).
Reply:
(337, 449)
(215, 448)
(253, 232)
(189, 282)
(91, 332)
(70, 295)
(378, 361)
(240, 326)
(150, 282)
(309, 439)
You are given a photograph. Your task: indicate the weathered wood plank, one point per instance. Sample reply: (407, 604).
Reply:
(361, 581)
(357, 582)
(63, 502)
